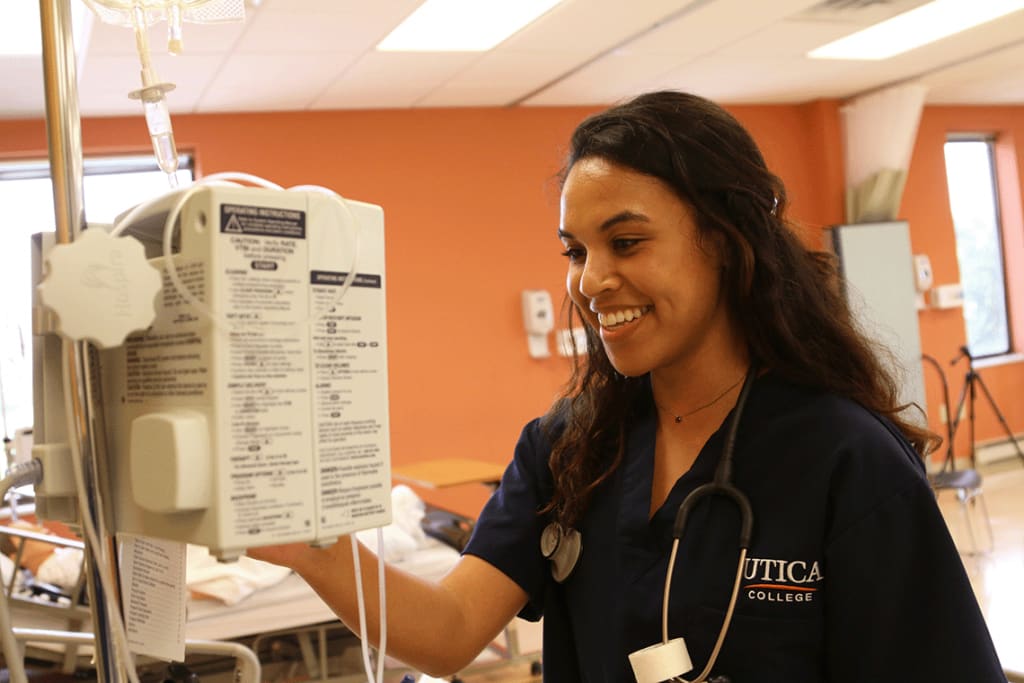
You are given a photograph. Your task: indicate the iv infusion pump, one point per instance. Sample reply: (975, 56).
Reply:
(260, 415)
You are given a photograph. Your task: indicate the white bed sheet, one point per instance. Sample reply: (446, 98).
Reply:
(292, 603)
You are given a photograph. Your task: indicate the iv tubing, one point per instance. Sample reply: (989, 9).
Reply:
(142, 45)
(351, 275)
(64, 141)
(382, 645)
(362, 609)
(142, 207)
(172, 269)
(30, 472)
(121, 649)
(154, 101)
(383, 615)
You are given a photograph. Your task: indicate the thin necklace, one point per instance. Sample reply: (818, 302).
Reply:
(716, 399)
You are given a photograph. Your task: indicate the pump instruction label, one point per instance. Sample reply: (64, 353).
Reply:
(266, 389)
(324, 277)
(169, 362)
(350, 401)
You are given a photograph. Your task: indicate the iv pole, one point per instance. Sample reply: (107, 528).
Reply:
(63, 129)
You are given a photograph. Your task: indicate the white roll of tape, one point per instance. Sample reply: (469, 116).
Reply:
(661, 662)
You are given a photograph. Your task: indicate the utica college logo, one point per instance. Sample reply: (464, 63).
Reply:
(767, 580)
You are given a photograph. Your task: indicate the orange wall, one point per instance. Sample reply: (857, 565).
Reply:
(926, 206)
(471, 210)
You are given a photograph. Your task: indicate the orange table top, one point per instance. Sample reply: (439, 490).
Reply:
(444, 472)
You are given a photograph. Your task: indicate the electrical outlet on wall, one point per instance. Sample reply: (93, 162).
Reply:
(947, 296)
(539, 320)
(922, 272)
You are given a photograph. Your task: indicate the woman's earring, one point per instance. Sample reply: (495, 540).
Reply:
(562, 547)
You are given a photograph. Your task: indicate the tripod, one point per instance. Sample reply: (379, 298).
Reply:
(966, 483)
(969, 394)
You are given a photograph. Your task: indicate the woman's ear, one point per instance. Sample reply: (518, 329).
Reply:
(713, 244)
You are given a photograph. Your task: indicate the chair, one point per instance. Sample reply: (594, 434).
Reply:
(966, 483)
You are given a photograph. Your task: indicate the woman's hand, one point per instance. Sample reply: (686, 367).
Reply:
(437, 628)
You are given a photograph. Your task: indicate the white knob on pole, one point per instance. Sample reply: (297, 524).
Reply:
(100, 288)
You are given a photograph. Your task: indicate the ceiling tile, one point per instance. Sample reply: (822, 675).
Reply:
(949, 52)
(367, 95)
(608, 79)
(271, 82)
(497, 94)
(732, 80)
(592, 26)
(361, 8)
(519, 67)
(710, 26)
(993, 78)
(785, 39)
(297, 54)
(399, 78)
(325, 28)
(1005, 90)
(106, 81)
(857, 13)
(21, 87)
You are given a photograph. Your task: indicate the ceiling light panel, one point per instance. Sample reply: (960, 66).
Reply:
(20, 32)
(462, 25)
(921, 26)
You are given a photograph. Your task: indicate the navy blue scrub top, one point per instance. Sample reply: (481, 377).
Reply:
(851, 575)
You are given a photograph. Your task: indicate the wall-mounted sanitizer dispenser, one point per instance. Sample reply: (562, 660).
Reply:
(263, 419)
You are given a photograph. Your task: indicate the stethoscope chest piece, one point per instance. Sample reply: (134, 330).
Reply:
(561, 546)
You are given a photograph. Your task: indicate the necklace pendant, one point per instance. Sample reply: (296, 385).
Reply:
(679, 418)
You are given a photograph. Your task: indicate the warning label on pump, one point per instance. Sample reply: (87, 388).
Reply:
(262, 220)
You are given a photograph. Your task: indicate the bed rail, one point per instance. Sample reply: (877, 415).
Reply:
(247, 665)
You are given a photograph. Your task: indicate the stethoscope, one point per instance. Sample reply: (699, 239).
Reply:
(564, 546)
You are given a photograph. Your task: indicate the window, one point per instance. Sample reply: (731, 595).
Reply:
(111, 186)
(970, 173)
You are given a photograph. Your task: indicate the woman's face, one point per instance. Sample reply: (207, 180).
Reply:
(637, 273)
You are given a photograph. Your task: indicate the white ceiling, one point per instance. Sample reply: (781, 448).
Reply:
(319, 54)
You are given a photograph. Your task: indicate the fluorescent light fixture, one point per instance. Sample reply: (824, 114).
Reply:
(462, 25)
(20, 32)
(19, 29)
(919, 26)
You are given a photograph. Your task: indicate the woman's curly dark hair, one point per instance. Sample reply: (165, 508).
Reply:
(788, 300)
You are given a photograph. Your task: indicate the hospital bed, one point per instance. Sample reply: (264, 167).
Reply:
(288, 612)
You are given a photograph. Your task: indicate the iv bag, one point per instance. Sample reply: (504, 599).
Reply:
(121, 12)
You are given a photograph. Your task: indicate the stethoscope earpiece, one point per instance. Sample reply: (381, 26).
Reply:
(563, 547)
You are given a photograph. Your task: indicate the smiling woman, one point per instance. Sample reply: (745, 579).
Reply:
(722, 367)
(629, 237)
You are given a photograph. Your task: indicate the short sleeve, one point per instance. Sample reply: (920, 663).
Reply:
(899, 604)
(507, 533)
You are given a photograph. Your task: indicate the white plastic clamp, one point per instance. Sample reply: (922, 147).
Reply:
(100, 288)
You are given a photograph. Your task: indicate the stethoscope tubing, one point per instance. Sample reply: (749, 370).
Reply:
(721, 485)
